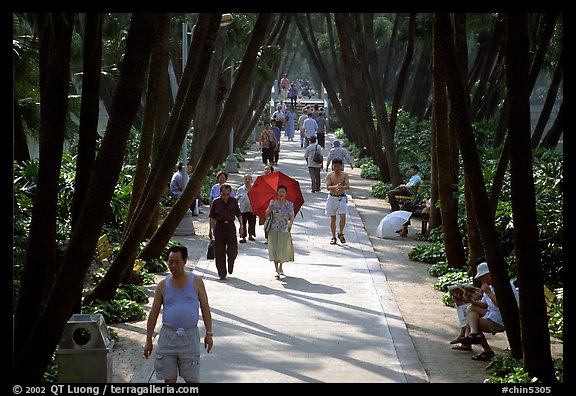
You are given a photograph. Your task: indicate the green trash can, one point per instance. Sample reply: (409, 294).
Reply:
(84, 352)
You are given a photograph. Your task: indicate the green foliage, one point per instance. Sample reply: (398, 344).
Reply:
(369, 170)
(116, 311)
(131, 292)
(556, 322)
(429, 253)
(380, 190)
(442, 268)
(509, 370)
(450, 279)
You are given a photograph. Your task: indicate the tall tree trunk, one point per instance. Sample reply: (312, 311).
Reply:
(89, 111)
(553, 136)
(36, 343)
(180, 119)
(487, 67)
(361, 107)
(481, 205)
(444, 148)
(158, 65)
(534, 326)
(55, 37)
(545, 37)
(21, 152)
(374, 82)
(209, 104)
(548, 103)
(403, 72)
(231, 107)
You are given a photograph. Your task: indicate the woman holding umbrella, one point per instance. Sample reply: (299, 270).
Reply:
(280, 247)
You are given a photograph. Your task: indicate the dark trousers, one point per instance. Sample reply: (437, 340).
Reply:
(267, 155)
(315, 177)
(276, 154)
(225, 245)
(392, 194)
(321, 138)
(250, 218)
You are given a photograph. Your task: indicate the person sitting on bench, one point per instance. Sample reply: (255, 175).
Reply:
(484, 315)
(405, 189)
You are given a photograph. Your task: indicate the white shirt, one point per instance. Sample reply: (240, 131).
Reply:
(310, 127)
(493, 312)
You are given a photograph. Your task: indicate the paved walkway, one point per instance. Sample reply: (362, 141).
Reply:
(332, 319)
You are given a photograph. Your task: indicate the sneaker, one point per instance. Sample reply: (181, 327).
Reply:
(333, 241)
(243, 240)
(341, 237)
(251, 238)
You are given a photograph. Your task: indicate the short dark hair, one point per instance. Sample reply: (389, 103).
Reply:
(337, 161)
(225, 186)
(179, 248)
(282, 186)
(415, 167)
(312, 139)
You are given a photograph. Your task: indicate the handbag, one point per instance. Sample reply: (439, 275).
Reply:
(210, 252)
(317, 156)
(268, 223)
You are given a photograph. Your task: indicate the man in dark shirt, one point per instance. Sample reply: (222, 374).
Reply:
(222, 213)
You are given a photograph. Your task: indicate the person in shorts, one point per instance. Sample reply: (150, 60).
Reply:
(337, 182)
(484, 315)
(181, 294)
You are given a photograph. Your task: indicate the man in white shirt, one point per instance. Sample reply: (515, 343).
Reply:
(310, 128)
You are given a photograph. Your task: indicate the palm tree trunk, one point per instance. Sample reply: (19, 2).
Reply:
(480, 202)
(37, 342)
(55, 37)
(231, 107)
(178, 125)
(534, 326)
(444, 153)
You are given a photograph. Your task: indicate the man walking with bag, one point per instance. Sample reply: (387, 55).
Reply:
(313, 156)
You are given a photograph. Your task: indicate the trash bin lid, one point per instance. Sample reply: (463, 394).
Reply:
(85, 331)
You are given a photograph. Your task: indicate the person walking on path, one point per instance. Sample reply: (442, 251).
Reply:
(248, 215)
(280, 246)
(337, 182)
(293, 95)
(180, 294)
(322, 122)
(313, 166)
(267, 143)
(301, 120)
(289, 129)
(405, 189)
(310, 128)
(221, 177)
(337, 151)
(222, 213)
(277, 135)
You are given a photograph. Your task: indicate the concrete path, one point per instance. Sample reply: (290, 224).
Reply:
(332, 319)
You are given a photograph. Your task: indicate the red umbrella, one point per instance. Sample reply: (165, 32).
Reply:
(264, 190)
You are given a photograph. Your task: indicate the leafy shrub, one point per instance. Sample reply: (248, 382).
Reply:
(451, 278)
(556, 321)
(368, 170)
(380, 189)
(132, 292)
(509, 370)
(429, 253)
(116, 311)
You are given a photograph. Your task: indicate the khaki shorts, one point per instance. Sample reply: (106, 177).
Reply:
(178, 354)
(492, 326)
